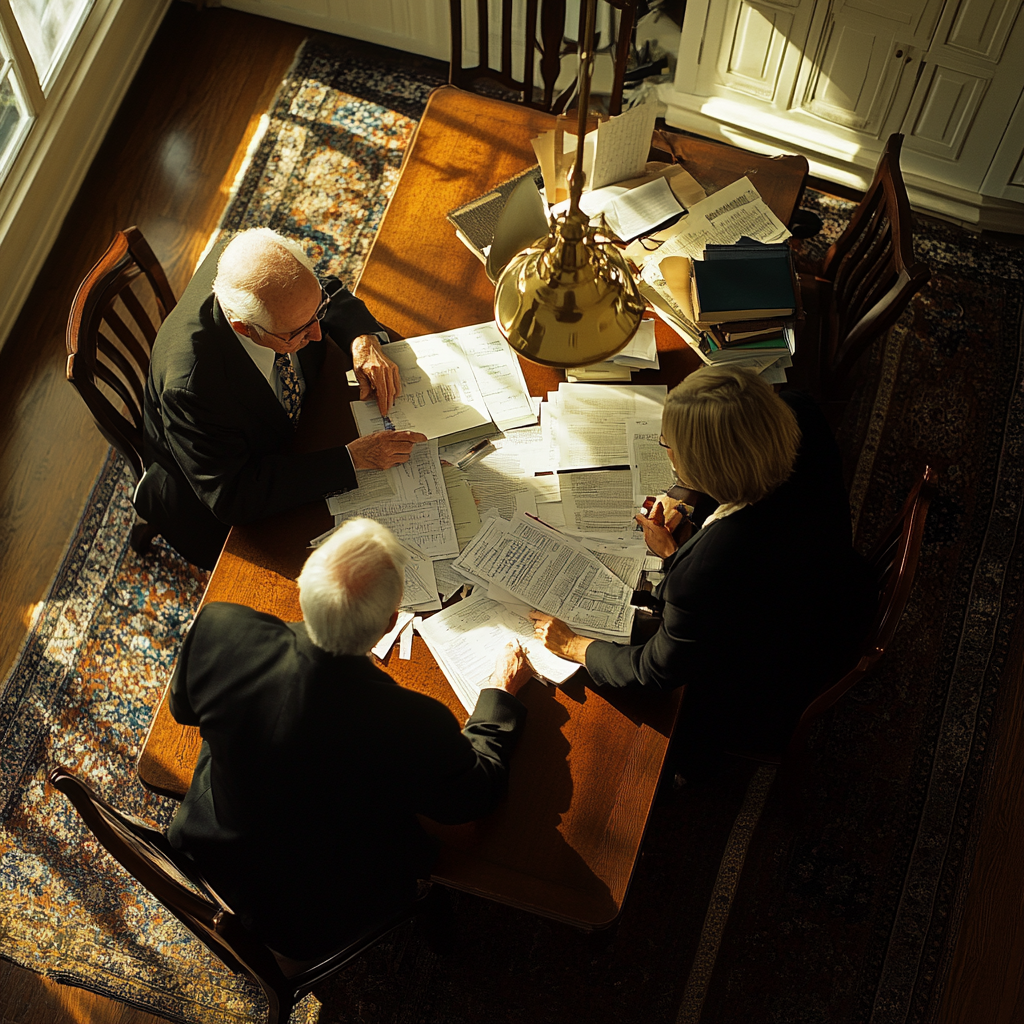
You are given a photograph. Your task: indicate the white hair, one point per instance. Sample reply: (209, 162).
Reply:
(252, 263)
(351, 585)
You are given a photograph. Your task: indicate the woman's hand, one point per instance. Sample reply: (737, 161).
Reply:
(559, 638)
(658, 528)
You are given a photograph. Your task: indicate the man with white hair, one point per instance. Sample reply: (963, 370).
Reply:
(315, 763)
(229, 371)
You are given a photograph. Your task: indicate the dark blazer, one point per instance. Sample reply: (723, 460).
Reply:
(313, 766)
(761, 609)
(218, 443)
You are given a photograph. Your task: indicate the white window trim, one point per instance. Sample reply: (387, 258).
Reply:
(70, 125)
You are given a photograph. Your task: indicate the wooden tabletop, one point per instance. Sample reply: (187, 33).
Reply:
(585, 772)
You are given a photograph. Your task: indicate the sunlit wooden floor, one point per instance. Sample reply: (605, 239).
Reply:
(166, 165)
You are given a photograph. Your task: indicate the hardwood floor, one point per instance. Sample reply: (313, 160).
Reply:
(166, 166)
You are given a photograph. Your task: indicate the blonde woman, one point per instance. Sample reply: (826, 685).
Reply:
(766, 601)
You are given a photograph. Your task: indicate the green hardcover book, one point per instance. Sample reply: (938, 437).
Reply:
(743, 289)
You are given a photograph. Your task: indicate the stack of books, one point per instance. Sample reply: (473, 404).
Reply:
(738, 304)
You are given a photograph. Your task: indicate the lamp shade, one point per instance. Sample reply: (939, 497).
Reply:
(570, 300)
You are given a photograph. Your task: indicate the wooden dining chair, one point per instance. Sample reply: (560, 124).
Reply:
(862, 285)
(539, 46)
(894, 562)
(145, 853)
(111, 329)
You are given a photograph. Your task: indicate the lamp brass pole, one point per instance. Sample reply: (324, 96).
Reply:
(570, 299)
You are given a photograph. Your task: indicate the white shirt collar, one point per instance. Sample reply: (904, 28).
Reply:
(262, 356)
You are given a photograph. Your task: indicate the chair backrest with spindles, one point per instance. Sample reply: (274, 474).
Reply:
(531, 41)
(894, 562)
(872, 269)
(113, 323)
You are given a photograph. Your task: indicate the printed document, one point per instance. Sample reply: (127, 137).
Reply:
(550, 572)
(419, 514)
(439, 396)
(721, 219)
(649, 463)
(498, 375)
(466, 638)
(599, 502)
(420, 586)
(590, 421)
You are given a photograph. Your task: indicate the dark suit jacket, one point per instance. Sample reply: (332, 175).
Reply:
(761, 608)
(302, 809)
(218, 443)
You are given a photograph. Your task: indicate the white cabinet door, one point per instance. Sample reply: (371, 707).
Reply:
(971, 79)
(860, 61)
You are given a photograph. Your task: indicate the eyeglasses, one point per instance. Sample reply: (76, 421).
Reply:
(321, 312)
(661, 441)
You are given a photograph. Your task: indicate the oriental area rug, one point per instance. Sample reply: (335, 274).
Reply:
(740, 909)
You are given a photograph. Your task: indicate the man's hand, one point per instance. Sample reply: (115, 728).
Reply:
(384, 449)
(559, 638)
(513, 670)
(658, 529)
(375, 373)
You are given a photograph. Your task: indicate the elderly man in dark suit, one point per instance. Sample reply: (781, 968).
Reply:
(315, 763)
(229, 370)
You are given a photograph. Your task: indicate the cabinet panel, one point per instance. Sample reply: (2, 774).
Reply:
(980, 28)
(855, 72)
(943, 111)
(754, 57)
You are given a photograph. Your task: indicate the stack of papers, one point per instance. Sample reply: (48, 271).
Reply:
(464, 381)
(545, 569)
(721, 219)
(641, 353)
(535, 515)
(465, 638)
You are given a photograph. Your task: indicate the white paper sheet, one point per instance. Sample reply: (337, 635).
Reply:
(649, 464)
(420, 514)
(467, 637)
(420, 586)
(448, 580)
(439, 395)
(549, 571)
(386, 642)
(463, 506)
(599, 502)
(500, 480)
(498, 375)
(721, 219)
(590, 424)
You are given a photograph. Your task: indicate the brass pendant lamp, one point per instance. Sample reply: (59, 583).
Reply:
(570, 299)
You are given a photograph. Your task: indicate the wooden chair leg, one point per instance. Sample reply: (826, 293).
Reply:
(142, 536)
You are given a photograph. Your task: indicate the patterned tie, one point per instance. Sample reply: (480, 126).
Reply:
(291, 396)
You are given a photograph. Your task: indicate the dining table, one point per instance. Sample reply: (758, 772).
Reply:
(565, 842)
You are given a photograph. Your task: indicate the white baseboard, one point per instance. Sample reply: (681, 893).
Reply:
(57, 155)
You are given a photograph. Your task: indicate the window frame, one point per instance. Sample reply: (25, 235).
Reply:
(40, 95)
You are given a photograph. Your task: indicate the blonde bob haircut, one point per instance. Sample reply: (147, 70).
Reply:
(731, 436)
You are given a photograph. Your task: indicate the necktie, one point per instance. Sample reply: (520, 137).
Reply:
(291, 397)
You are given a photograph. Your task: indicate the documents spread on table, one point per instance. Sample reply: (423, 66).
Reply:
(550, 571)
(465, 637)
(536, 515)
(456, 381)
